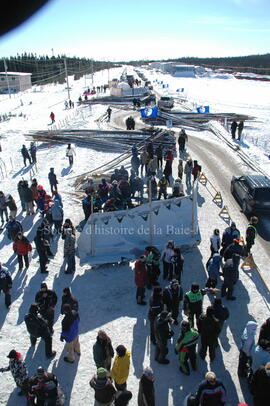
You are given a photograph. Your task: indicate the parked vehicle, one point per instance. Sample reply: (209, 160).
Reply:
(252, 192)
(166, 102)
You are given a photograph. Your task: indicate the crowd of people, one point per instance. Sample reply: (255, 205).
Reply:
(150, 177)
(166, 304)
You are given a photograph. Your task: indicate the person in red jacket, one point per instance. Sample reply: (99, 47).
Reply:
(196, 170)
(21, 247)
(140, 279)
(52, 117)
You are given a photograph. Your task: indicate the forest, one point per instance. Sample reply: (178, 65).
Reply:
(45, 69)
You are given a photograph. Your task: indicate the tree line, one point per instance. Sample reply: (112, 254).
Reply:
(259, 64)
(45, 69)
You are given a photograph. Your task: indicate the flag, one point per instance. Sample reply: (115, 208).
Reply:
(149, 112)
(181, 89)
(203, 109)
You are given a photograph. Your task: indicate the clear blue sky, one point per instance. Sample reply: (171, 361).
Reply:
(154, 29)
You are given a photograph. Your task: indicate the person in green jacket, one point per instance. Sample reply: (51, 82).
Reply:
(186, 347)
(193, 301)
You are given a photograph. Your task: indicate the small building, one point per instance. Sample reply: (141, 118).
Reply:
(122, 89)
(14, 82)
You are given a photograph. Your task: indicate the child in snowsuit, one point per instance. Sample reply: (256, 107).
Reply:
(186, 347)
(18, 370)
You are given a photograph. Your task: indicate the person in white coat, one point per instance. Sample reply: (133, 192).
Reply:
(166, 257)
(215, 242)
(70, 152)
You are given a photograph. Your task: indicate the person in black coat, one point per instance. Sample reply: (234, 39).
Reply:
(233, 129)
(265, 330)
(68, 298)
(146, 394)
(5, 284)
(37, 327)
(260, 385)
(163, 333)
(220, 312)
(25, 155)
(172, 297)
(41, 247)
(251, 233)
(230, 274)
(229, 234)
(122, 398)
(52, 179)
(46, 300)
(155, 308)
(33, 152)
(159, 154)
(177, 264)
(234, 248)
(209, 329)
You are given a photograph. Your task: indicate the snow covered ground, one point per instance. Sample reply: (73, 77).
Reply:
(107, 295)
(226, 94)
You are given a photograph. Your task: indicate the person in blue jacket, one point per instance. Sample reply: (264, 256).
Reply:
(70, 333)
(213, 268)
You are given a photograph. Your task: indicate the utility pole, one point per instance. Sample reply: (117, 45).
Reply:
(65, 62)
(92, 72)
(7, 78)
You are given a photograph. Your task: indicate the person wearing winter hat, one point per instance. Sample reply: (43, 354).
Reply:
(260, 385)
(122, 398)
(155, 308)
(209, 329)
(70, 333)
(172, 299)
(38, 327)
(163, 333)
(211, 391)
(18, 370)
(46, 300)
(247, 346)
(193, 301)
(103, 350)
(230, 233)
(103, 387)
(146, 394)
(43, 388)
(68, 298)
(186, 347)
(120, 368)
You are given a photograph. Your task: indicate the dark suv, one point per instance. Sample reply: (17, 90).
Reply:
(253, 192)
